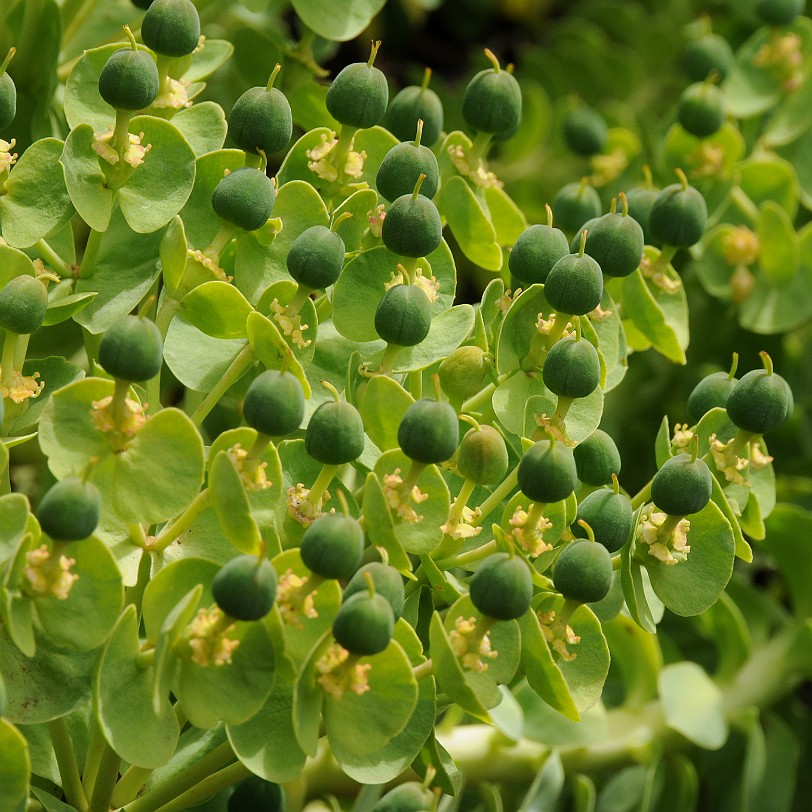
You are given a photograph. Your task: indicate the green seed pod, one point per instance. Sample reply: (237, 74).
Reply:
(388, 583)
(585, 130)
(409, 797)
(679, 215)
(316, 257)
(261, 119)
(533, 255)
(547, 472)
(245, 587)
(610, 516)
(412, 226)
(413, 104)
(8, 93)
(462, 373)
(70, 510)
(171, 27)
(132, 349)
(429, 431)
(682, 486)
(572, 368)
(597, 458)
(403, 316)
(710, 393)
(244, 197)
(332, 546)
(274, 403)
(254, 794)
(615, 242)
(502, 587)
(335, 433)
(779, 12)
(482, 456)
(142, 3)
(574, 204)
(707, 54)
(129, 79)
(364, 624)
(574, 285)
(701, 109)
(583, 572)
(760, 402)
(641, 200)
(359, 95)
(492, 100)
(401, 168)
(23, 302)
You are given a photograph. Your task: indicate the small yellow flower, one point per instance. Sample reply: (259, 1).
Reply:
(398, 500)
(727, 461)
(682, 436)
(339, 674)
(294, 599)
(471, 648)
(301, 508)
(206, 638)
(671, 549)
(530, 537)
(290, 325)
(7, 157)
(101, 414)
(741, 247)
(22, 387)
(46, 576)
(252, 472)
(173, 97)
(556, 637)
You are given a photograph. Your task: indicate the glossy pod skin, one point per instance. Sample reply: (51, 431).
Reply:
(711, 392)
(678, 216)
(610, 516)
(535, 253)
(411, 104)
(358, 96)
(760, 402)
(403, 316)
(492, 102)
(482, 456)
(316, 257)
(23, 304)
(261, 119)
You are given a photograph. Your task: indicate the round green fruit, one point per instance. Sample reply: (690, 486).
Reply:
(492, 102)
(682, 486)
(707, 54)
(701, 109)
(535, 252)
(462, 373)
(335, 433)
(261, 119)
(413, 104)
(23, 302)
(574, 285)
(316, 257)
(585, 130)
(482, 456)
(254, 794)
(547, 472)
(597, 458)
(358, 96)
(412, 226)
(574, 204)
(502, 587)
(679, 216)
(779, 12)
(132, 349)
(403, 316)
(583, 572)
(332, 546)
(70, 510)
(711, 392)
(388, 583)
(8, 100)
(364, 624)
(245, 587)
(760, 402)
(615, 242)
(274, 403)
(429, 431)
(244, 197)
(171, 27)
(610, 516)
(409, 797)
(129, 80)
(572, 368)
(641, 200)
(402, 166)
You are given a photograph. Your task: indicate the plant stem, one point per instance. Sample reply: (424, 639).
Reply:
(88, 266)
(243, 360)
(495, 499)
(105, 781)
(95, 748)
(321, 484)
(171, 531)
(66, 760)
(7, 361)
(52, 258)
(129, 785)
(469, 557)
(209, 786)
(423, 670)
(642, 496)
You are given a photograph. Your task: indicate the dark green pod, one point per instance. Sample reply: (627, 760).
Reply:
(316, 257)
(335, 433)
(574, 285)
(413, 104)
(261, 119)
(682, 486)
(364, 624)
(615, 242)
(679, 216)
(254, 794)
(332, 546)
(245, 587)
(402, 166)
(129, 80)
(142, 3)
(547, 472)
(779, 12)
(358, 96)
(610, 516)
(583, 572)
(701, 109)
(641, 200)
(244, 197)
(8, 100)
(572, 369)
(412, 226)
(132, 349)
(492, 102)
(585, 130)
(171, 27)
(274, 403)
(574, 204)
(597, 458)
(429, 431)
(502, 587)
(482, 456)
(23, 303)
(710, 393)
(387, 580)
(462, 373)
(403, 316)
(533, 255)
(409, 797)
(707, 54)
(70, 510)
(760, 402)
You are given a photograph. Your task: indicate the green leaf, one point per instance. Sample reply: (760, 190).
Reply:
(55, 372)
(352, 229)
(173, 252)
(271, 349)
(770, 178)
(210, 55)
(84, 179)
(379, 525)
(644, 606)
(308, 106)
(14, 513)
(446, 773)
(683, 150)
(282, 293)
(66, 307)
(583, 417)
(624, 791)
(339, 22)
(787, 541)
(693, 705)
(36, 200)
(777, 789)
(662, 443)
(791, 117)
(203, 125)
(447, 332)
(382, 405)
(218, 309)
(519, 328)
(638, 658)
(308, 698)
(230, 502)
(15, 767)
(751, 90)
(780, 254)
(743, 549)
(506, 217)
(547, 786)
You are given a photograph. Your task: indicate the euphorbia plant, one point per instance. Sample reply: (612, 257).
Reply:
(282, 524)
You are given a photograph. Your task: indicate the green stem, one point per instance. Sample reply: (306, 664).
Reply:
(220, 241)
(300, 297)
(129, 785)
(78, 21)
(482, 398)
(321, 484)
(425, 669)
(172, 531)
(479, 148)
(121, 132)
(209, 786)
(416, 384)
(95, 748)
(105, 780)
(469, 557)
(7, 360)
(643, 495)
(388, 359)
(496, 497)
(342, 149)
(88, 266)
(119, 404)
(229, 378)
(557, 330)
(135, 594)
(53, 259)
(455, 515)
(66, 760)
